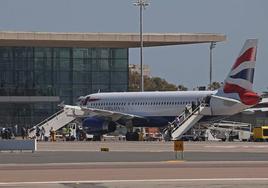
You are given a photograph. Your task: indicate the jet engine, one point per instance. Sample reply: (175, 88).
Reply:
(98, 126)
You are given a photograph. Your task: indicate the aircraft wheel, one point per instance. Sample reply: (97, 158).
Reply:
(135, 136)
(129, 136)
(132, 136)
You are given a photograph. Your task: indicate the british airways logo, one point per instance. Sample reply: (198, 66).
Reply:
(246, 74)
(248, 55)
(240, 79)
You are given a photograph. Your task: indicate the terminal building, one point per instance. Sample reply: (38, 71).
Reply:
(39, 70)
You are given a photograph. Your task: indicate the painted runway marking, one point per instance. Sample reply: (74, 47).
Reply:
(221, 146)
(233, 146)
(129, 181)
(175, 161)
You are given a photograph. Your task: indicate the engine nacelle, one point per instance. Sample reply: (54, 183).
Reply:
(98, 126)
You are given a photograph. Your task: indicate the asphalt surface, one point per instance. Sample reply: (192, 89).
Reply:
(44, 157)
(136, 164)
(170, 172)
(155, 146)
(78, 152)
(206, 183)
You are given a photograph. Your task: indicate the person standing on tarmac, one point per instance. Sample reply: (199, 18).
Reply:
(52, 134)
(43, 132)
(15, 130)
(69, 131)
(37, 133)
(77, 131)
(64, 133)
(23, 132)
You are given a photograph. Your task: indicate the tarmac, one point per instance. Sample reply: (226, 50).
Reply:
(136, 164)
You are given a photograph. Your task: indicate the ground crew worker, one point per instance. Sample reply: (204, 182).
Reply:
(69, 132)
(64, 133)
(52, 134)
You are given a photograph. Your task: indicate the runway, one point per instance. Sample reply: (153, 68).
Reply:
(85, 152)
(136, 164)
(170, 171)
(44, 157)
(124, 146)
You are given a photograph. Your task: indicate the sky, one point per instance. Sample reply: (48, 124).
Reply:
(183, 64)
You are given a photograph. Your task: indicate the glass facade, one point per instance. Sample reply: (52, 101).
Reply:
(64, 72)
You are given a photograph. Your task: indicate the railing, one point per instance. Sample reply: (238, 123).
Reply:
(187, 117)
(46, 120)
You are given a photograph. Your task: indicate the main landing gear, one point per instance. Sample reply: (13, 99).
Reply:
(132, 136)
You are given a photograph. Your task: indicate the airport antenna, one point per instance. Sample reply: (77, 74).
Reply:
(142, 4)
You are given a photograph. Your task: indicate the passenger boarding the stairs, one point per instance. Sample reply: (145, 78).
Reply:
(177, 120)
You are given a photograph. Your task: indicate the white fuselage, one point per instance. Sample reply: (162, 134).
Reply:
(147, 104)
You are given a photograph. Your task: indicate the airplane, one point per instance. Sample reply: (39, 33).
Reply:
(104, 111)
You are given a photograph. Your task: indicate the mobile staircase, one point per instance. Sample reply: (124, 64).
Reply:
(188, 120)
(57, 121)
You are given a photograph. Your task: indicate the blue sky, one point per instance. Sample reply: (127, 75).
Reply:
(186, 64)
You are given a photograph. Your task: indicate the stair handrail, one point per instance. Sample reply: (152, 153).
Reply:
(46, 120)
(181, 115)
(188, 116)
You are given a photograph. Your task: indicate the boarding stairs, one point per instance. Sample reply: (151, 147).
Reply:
(188, 120)
(57, 121)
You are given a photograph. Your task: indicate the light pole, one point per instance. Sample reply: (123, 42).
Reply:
(142, 4)
(212, 45)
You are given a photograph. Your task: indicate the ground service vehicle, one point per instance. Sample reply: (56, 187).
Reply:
(77, 131)
(260, 133)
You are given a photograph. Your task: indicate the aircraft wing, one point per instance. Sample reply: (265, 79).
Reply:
(256, 110)
(264, 101)
(78, 111)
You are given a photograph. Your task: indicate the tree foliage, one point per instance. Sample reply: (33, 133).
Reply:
(151, 84)
(214, 86)
(182, 88)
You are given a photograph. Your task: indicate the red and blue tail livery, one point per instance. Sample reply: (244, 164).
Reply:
(240, 78)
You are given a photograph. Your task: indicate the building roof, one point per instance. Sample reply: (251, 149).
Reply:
(109, 40)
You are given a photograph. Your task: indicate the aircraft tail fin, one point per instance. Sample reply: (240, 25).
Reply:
(240, 78)
(242, 72)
